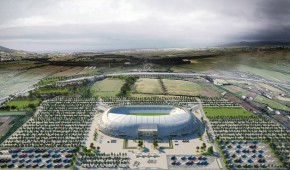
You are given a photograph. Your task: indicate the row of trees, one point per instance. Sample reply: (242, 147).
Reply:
(126, 88)
(247, 129)
(60, 123)
(282, 150)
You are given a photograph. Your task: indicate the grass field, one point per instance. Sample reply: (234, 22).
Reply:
(180, 87)
(283, 98)
(146, 85)
(271, 103)
(226, 112)
(107, 87)
(7, 113)
(68, 71)
(22, 103)
(50, 80)
(53, 91)
(237, 90)
(18, 65)
(271, 88)
(149, 114)
(267, 74)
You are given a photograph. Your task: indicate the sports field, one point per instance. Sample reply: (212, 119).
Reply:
(107, 87)
(187, 88)
(148, 86)
(212, 112)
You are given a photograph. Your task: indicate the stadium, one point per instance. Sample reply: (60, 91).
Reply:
(147, 120)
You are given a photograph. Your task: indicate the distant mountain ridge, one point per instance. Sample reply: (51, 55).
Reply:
(6, 50)
(257, 43)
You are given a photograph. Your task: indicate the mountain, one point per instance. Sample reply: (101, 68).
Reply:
(6, 50)
(257, 43)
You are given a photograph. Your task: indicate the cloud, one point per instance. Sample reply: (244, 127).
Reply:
(115, 24)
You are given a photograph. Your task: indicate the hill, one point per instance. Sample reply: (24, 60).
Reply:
(6, 50)
(258, 43)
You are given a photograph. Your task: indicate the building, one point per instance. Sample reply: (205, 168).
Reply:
(147, 120)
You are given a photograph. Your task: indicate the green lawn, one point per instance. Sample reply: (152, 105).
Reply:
(211, 112)
(23, 103)
(8, 113)
(107, 87)
(148, 114)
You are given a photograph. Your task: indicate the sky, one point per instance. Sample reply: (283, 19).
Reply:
(75, 25)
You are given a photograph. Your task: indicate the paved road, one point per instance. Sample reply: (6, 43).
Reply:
(210, 131)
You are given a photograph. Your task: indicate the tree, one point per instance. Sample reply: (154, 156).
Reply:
(204, 145)
(31, 106)
(140, 143)
(210, 150)
(155, 143)
(13, 107)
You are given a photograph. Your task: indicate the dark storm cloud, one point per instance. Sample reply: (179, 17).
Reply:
(110, 24)
(275, 18)
(274, 10)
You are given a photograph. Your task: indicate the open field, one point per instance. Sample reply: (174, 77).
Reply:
(271, 103)
(19, 65)
(68, 71)
(5, 123)
(180, 87)
(9, 124)
(13, 81)
(22, 103)
(283, 98)
(271, 88)
(107, 87)
(265, 73)
(89, 70)
(8, 113)
(226, 112)
(236, 90)
(146, 85)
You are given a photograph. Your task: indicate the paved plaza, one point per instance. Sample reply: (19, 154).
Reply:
(148, 156)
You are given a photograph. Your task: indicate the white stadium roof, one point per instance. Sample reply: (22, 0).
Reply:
(168, 120)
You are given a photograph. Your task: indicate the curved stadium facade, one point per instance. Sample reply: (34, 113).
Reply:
(143, 120)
